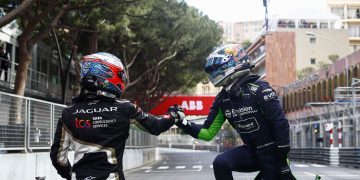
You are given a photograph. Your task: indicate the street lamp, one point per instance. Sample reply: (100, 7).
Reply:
(340, 47)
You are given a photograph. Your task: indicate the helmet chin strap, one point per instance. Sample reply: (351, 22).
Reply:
(228, 81)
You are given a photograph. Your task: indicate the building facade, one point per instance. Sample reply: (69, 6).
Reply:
(323, 108)
(349, 11)
(43, 79)
(284, 52)
(237, 32)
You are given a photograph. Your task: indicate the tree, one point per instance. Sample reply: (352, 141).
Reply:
(322, 65)
(305, 72)
(15, 13)
(163, 44)
(36, 23)
(333, 57)
(246, 43)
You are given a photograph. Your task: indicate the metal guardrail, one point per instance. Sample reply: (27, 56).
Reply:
(29, 124)
(349, 157)
(216, 148)
(313, 155)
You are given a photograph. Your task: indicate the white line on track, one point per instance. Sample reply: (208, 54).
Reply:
(300, 165)
(310, 174)
(318, 165)
(180, 167)
(163, 167)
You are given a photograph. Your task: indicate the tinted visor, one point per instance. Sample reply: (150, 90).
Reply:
(212, 63)
(122, 76)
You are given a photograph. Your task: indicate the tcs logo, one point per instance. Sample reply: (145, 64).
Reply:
(80, 123)
(192, 105)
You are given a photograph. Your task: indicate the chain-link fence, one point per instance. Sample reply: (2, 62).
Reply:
(29, 124)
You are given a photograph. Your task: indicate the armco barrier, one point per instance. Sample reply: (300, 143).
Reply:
(349, 157)
(216, 148)
(313, 155)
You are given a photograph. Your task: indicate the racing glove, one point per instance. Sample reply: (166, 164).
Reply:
(285, 171)
(178, 114)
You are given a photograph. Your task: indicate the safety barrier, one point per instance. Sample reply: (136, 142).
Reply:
(216, 148)
(28, 124)
(349, 157)
(313, 155)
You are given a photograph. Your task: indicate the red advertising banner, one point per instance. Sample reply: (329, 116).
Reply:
(192, 105)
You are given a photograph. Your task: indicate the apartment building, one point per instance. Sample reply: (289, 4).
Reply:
(349, 12)
(237, 32)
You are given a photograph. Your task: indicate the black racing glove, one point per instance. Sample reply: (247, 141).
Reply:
(285, 171)
(178, 114)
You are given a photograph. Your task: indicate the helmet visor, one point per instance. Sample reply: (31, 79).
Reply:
(214, 62)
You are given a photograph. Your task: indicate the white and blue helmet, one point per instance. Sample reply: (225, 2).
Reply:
(224, 61)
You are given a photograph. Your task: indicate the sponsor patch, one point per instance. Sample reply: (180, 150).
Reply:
(267, 90)
(270, 96)
(247, 125)
(229, 113)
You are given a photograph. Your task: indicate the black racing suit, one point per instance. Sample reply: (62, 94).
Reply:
(96, 127)
(252, 108)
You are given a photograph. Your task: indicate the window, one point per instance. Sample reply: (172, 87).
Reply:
(313, 61)
(312, 40)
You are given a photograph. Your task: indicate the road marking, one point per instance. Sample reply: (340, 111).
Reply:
(211, 166)
(197, 167)
(318, 165)
(180, 167)
(310, 174)
(301, 165)
(163, 167)
(343, 175)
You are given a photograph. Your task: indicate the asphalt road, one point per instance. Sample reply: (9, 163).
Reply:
(179, 164)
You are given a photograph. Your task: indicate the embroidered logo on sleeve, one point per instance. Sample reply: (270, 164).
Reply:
(269, 94)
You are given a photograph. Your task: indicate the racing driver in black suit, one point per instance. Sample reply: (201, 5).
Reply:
(252, 107)
(97, 125)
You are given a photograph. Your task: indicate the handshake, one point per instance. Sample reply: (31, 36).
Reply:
(177, 113)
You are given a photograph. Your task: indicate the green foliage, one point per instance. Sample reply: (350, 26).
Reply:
(162, 42)
(333, 57)
(246, 43)
(322, 65)
(305, 72)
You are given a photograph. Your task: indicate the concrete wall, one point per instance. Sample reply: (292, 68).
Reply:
(28, 166)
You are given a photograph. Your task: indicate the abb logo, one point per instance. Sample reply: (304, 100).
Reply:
(192, 105)
(80, 123)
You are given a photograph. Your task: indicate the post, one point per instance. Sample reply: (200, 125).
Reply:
(331, 138)
(266, 15)
(355, 81)
(339, 134)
